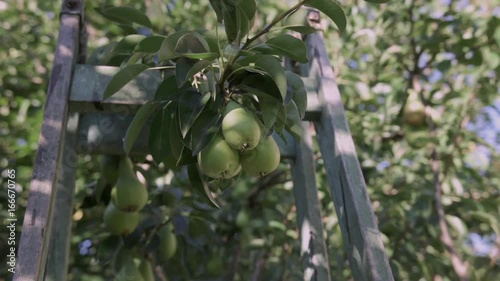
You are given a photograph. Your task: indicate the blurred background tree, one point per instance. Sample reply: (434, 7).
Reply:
(434, 188)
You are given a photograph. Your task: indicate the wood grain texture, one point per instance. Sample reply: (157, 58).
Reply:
(313, 247)
(90, 81)
(58, 256)
(362, 239)
(34, 241)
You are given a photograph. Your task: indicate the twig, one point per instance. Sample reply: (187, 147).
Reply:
(259, 265)
(255, 37)
(237, 252)
(274, 22)
(265, 183)
(459, 266)
(160, 273)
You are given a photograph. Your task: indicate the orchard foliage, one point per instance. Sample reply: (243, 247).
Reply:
(449, 47)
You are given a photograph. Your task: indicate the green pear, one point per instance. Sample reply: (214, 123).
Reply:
(146, 270)
(118, 222)
(129, 272)
(240, 127)
(215, 266)
(129, 194)
(120, 258)
(242, 218)
(414, 110)
(262, 160)
(219, 160)
(168, 242)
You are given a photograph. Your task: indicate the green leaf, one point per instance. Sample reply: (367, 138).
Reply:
(126, 15)
(377, 1)
(186, 68)
(293, 121)
(191, 42)
(167, 49)
(332, 10)
(217, 6)
(187, 44)
(191, 104)
(275, 70)
(127, 44)
(101, 55)
(299, 92)
(214, 39)
(200, 188)
(168, 90)
(230, 25)
(175, 139)
(137, 124)
(150, 44)
(261, 84)
(159, 132)
(133, 59)
(248, 7)
(299, 17)
(204, 129)
(269, 107)
(186, 157)
(122, 78)
(279, 125)
(201, 56)
(242, 22)
(117, 60)
(237, 19)
(303, 29)
(289, 46)
(489, 219)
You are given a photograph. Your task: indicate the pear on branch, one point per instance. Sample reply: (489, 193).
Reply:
(129, 194)
(414, 110)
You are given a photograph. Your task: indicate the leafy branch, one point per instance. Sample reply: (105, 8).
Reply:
(259, 34)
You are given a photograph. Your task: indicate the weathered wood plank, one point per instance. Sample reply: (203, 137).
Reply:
(90, 81)
(58, 256)
(313, 247)
(32, 252)
(102, 133)
(362, 240)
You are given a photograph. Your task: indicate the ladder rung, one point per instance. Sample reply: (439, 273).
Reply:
(102, 133)
(89, 82)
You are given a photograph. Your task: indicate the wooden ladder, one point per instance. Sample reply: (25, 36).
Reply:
(76, 121)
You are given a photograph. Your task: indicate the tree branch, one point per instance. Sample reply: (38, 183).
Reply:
(459, 266)
(259, 265)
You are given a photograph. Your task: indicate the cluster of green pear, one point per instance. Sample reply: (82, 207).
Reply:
(122, 216)
(240, 146)
(128, 197)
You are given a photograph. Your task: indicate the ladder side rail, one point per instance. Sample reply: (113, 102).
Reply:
(60, 239)
(38, 218)
(58, 258)
(313, 248)
(362, 239)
